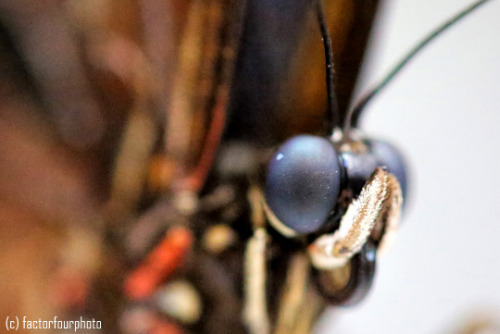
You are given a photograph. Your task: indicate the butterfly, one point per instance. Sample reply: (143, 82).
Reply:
(207, 218)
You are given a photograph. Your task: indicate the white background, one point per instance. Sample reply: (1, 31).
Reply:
(443, 111)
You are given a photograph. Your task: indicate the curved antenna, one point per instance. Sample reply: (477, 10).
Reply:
(333, 116)
(354, 113)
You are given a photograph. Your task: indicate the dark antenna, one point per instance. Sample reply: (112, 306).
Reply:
(333, 115)
(353, 115)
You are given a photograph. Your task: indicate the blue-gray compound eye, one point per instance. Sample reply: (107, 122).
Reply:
(390, 157)
(303, 183)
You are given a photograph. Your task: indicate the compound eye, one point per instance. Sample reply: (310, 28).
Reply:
(303, 184)
(388, 156)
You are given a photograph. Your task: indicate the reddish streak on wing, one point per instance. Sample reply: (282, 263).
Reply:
(160, 263)
(165, 327)
(69, 288)
(196, 179)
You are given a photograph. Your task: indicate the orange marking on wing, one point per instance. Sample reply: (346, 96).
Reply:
(161, 262)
